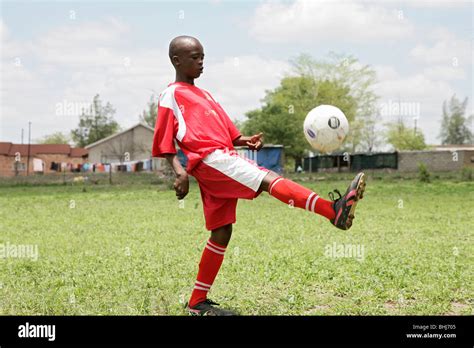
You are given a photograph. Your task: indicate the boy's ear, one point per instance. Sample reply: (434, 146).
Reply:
(175, 61)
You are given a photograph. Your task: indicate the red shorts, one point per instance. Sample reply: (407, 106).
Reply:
(223, 178)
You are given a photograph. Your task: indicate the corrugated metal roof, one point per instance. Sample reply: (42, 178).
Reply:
(11, 149)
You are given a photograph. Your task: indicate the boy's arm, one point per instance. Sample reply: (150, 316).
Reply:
(181, 184)
(254, 142)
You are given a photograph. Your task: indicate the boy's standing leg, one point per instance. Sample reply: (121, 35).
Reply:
(211, 261)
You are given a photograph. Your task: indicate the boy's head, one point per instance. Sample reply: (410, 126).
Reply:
(187, 56)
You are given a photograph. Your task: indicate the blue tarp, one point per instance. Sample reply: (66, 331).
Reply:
(268, 157)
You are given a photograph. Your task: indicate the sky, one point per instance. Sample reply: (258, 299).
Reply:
(56, 55)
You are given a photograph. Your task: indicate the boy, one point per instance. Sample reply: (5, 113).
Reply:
(207, 137)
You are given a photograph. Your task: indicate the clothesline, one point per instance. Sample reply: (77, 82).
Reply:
(130, 166)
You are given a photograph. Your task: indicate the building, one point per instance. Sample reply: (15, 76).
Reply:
(126, 148)
(44, 158)
(132, 144)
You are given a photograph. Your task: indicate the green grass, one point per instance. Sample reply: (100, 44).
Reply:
(132, 250)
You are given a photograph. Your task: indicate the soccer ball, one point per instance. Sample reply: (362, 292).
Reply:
(325, 128)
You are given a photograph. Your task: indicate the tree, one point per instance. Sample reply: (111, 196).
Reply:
(55, 138)
(454, 125)
(95, 123)
(282, 115)
(348, 72)
(402, 137)
(148, 115)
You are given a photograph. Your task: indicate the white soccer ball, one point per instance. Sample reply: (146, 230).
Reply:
(325, 128)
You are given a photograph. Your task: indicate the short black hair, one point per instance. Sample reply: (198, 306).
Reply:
(175, 44)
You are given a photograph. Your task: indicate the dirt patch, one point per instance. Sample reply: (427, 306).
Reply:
(458, 308)
(391, 306)
(316, 309)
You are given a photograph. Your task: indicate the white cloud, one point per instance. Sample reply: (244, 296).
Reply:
(447, 49)
(9, 49)
(446, 73)
(414, 89)
(85, 44)
(433, 3)
(307, 21)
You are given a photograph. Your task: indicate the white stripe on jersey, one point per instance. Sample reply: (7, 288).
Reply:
(236, 168)
(168, 100)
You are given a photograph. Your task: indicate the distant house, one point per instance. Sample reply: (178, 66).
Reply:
(132, 144)
(44, 158)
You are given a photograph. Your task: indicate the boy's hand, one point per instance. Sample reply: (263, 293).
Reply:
(181, 185)
(255, 142)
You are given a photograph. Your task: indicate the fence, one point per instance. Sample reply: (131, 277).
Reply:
(346, 162)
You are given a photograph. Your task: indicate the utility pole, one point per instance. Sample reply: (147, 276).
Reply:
(29, 149)
(22, 136)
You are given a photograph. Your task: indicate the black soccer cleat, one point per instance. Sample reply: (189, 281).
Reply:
(206, 308)
(344, 206)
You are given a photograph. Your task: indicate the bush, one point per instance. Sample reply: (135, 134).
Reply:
(466, 174)
(423, 173)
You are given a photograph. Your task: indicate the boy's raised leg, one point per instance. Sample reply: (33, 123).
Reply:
(339, 211)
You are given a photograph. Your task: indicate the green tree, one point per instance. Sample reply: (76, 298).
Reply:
(454, 125)
(282, 115)
(347, 71)
(95, 123)
(55, 138)
(148, 115)
(402, 137)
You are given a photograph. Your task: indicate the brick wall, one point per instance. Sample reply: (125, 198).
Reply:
(441, 161)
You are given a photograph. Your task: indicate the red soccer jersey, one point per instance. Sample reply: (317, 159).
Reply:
(198, 123)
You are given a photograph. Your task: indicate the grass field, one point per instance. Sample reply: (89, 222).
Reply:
(134, 250)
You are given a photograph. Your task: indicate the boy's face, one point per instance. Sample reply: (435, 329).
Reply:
(190, 58)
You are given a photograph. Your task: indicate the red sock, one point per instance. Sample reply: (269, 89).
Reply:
(211, 261)
(290, 192)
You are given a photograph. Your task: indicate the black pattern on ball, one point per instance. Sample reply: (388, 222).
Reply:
(334, 122)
